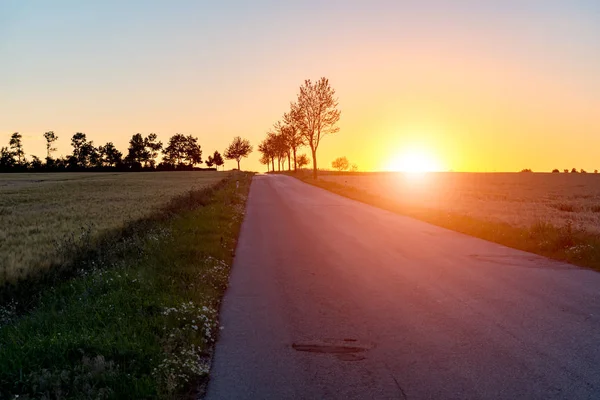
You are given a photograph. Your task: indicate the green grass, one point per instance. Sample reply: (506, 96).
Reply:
(135, 319)
(563, 243)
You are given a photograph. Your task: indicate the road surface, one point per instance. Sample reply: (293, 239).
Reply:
(334, 299)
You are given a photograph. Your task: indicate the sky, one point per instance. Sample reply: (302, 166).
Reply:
(473, 85)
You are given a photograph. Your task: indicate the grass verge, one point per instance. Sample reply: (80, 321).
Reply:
(563, 243)
(136, 319)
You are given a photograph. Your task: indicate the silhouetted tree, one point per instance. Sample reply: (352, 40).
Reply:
(16, 146)
(281, 131)
(183, 149)
(583, 171)
(340, 163)
(574, 171)
(293, 134)
(555, 171)
(595, 171)
(36, 163)
(209, 161)
(50, 137)
(7, 159)
(151, 149)
(109, 155)
(84, 152)
(136, 153)
(303, 160)
(566, 171)
(354, 168)
(238, 149)
(315, 113)
(267, 149)
(526, 170)
(218, 159)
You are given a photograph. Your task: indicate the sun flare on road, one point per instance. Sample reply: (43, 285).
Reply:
(414, 161)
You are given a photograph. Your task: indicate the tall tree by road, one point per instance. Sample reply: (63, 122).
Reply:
(293, 135)
(267, 149)
(238, 149)
(50, 137)
(16, 146)
(316, 114)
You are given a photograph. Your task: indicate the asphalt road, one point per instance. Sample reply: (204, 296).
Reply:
(333, 299)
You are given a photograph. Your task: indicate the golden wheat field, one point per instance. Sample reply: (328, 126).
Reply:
(41, 212)
(519, 199)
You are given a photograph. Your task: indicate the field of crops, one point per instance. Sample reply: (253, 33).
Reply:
(518, 199)
(40, 214)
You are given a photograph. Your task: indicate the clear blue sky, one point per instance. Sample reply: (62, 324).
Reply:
(481, 84)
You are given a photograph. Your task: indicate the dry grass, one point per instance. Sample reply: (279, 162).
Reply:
(520, 200)
(41, 214)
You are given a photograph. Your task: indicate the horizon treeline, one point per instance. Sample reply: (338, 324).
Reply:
(181, 152)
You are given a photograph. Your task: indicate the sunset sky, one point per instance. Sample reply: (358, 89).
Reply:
(475, 85)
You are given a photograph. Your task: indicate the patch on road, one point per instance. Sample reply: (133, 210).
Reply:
(344, 349)
(526, 261)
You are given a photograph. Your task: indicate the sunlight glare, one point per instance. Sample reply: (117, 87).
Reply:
(414, 161)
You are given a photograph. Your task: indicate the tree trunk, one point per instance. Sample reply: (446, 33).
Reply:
(279, 163)
(314, 157)
(289, 161)
(238, 161)
(295, 165)
(273, 164)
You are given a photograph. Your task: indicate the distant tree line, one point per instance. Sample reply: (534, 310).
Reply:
(566, 171)
(311, 117)
(180, 153)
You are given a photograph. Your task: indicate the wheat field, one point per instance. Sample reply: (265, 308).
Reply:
(518, 199)
(40, 213)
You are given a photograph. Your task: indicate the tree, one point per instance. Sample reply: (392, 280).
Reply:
(281, 131)
(7, 159)
(218, 159)
(36, 163)
(50, 137)
(293, 134)
(84, 152)
(136, 153)
(16, 145)
(238, 149)
(583, 171)
(209, 161)
(526, 170)
(151, 149)
(303, 160)
(340, 163)
(555, 171)
(109, 155)
(183, 149)
(174, 153)
(566, 171)
(267, 149)
(354, 168)
(315, 113)
(193, 151)
(574, 171)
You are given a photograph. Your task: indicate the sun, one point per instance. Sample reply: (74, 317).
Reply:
(414, 160)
